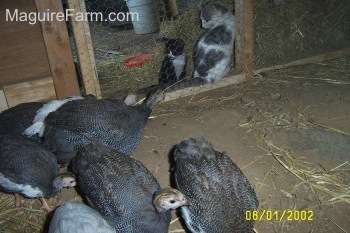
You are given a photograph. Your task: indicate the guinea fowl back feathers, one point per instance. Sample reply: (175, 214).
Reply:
(120, 188)
(110, 122)
(27, 168)
(216, 187)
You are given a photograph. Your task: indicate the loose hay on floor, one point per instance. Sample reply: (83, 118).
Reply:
(27, 219)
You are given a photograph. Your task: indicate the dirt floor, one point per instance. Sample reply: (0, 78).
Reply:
(304, 110)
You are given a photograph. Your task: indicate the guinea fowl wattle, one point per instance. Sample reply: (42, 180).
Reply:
(75, 217)
(123, 191)
(217, 189)
(113, 123)
(27, 168)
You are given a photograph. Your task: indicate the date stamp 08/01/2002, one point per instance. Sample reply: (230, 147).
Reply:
(279, 215)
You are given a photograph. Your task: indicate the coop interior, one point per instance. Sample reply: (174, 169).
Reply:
(281, 112)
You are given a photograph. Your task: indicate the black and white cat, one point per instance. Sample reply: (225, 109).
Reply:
(174, 64)
(215, 47)
(173, 67)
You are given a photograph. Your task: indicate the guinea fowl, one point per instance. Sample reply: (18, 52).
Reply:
(113, 123)
(75, 217)
(15, 120)
(123, 191)
(29, 169)
(219, 192)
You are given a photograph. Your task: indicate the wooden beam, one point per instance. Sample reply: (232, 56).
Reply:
(173, 7)
(81, 31)
(244, 36)
(37, 90)
(319, 58)
(58, 50)
(236, 79)
(239, 40)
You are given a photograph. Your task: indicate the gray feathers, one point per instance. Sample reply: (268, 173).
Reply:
(74, 217)
(216, 187)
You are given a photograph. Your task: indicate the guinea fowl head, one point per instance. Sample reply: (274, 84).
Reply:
(169, 199)
(194, 148)
(154, 97)
(63, 180)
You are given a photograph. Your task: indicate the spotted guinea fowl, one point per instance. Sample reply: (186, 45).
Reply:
(27, 168)
(217, 189)
(113, 123)
(15, 120)
(123, 191)
(75, 217)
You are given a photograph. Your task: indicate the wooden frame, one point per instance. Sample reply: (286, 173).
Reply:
(82, 36)
(44, 69)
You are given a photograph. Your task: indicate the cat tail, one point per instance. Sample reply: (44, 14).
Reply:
(168, 87)
(149, 89)
(185, 83)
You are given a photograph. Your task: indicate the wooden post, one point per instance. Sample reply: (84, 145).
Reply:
(244, 36)
(82, 37)
(58, 50)
(173, 7)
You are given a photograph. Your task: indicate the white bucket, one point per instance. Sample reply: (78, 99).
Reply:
(146, 15)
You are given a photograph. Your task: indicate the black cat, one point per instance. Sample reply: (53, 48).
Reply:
(173, 67)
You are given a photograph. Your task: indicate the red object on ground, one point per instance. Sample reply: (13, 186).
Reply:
(138, 60)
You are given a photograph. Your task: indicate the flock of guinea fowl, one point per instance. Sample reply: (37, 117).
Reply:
(95, 139)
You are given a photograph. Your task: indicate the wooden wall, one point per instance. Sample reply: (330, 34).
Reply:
(36, 62)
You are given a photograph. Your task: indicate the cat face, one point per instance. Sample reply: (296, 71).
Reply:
(212, 14)
(174, 47)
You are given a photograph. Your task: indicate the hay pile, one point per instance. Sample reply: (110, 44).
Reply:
(117, 80)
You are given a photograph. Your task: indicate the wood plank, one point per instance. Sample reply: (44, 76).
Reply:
(244, 36)
(59, 51)
(236, 79)
(239, 40)
(37, 90)
(319, 58)
(173, 7)
(3, 101)
(22, 51)
(86, 57)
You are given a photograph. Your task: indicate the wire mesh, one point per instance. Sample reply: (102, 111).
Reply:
(131, 54)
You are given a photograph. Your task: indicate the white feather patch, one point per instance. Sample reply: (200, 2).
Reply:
(25, 189)
(38, 125)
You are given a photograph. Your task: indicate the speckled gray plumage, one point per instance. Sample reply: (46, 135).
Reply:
(110, 122)
(121, 189)
(75, 217)
(15, 120)
(216, 187)
(25, 162)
